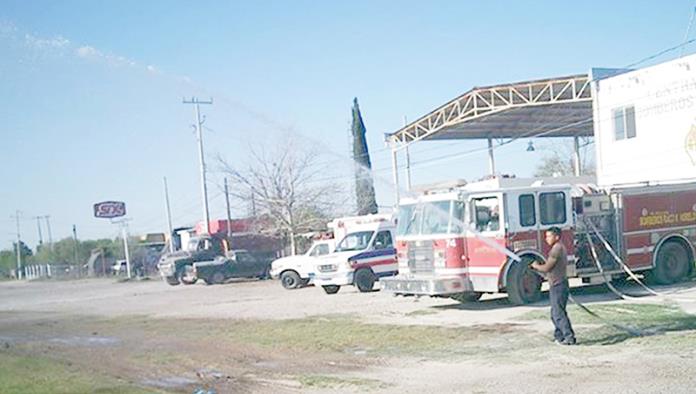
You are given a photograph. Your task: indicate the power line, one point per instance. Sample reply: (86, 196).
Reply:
(688, 29)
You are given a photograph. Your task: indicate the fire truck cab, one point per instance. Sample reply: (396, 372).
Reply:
(458, 242)
(480, 237)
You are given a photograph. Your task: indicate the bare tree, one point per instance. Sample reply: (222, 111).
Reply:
(288, 185)
(559, 160)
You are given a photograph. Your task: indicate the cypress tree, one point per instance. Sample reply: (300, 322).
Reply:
(364, 184)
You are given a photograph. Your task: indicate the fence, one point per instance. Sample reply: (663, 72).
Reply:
(50, 271)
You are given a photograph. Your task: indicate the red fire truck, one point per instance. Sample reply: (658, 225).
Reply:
(465, 240)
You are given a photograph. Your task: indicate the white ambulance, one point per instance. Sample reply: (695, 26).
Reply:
(365, 254)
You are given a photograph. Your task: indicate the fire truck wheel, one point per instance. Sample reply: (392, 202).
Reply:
(331, 289)
(467, 296)
(523, 285)
(186, 275)
(172, 281)
(364, 280)
(672, 263)
(290, 280)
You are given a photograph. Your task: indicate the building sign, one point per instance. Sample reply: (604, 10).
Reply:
(109, 209)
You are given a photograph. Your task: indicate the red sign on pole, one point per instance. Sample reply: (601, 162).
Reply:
(109, 209)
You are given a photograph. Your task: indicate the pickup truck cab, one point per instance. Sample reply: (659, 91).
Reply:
(363, 256)
(238, 264)
(298, 271)
(177, 267)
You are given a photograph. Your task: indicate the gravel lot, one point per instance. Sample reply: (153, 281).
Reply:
(503, 350)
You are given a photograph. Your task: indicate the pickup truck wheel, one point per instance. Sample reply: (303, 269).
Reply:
(218, 278)
(290, 280)
(331, 289)
(523, 284)
(467, 296)
(364, 280)
(672, 263)
(266, 274)
(172, 281)
(186, 275)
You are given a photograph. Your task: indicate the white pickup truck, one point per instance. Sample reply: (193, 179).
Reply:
(298, 271)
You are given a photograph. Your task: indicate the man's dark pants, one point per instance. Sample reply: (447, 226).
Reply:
(558, 298)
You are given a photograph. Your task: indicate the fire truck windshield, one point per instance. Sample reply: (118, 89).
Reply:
(433, 217)
(355, 241)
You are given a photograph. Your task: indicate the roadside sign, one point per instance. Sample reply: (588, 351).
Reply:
(109, 209)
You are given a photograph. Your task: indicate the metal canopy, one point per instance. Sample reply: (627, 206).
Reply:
(556, 107)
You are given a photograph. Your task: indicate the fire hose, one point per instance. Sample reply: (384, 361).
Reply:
(632, 331)
(607, 281)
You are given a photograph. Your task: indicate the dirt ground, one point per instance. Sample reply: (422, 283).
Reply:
(255, 336)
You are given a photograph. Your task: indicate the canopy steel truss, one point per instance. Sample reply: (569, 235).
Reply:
(480, 103)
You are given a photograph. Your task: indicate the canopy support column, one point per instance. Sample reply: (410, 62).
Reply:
(395, 173)
(576, 155)
(491, 159)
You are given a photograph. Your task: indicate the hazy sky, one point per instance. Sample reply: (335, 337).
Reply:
(91, 91)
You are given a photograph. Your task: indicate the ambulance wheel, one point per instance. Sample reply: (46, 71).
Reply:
(523, 284)
(290, 280)
(364, 280)
(672, 263)
(467, 296)
(331, 289)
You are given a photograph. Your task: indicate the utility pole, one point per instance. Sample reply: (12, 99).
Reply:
(124, 234)
(74, 231)
(48, 227)
(38, 226)
(229, 214)
(408, 162)
(199, 132)
(169, 216)
(19, 250)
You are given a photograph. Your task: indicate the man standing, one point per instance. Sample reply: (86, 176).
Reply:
(555, 269)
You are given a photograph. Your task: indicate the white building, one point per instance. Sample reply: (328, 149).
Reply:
(645, 124)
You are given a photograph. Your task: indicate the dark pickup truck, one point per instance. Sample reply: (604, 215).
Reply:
(177, 267)
(238, 264)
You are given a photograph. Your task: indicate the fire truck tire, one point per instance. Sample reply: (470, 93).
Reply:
(171, 280)
(290, 280)
(523, 285)
(364, 280)
(331, 289)
(672, 263)
(467, 296)
(186, 275)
